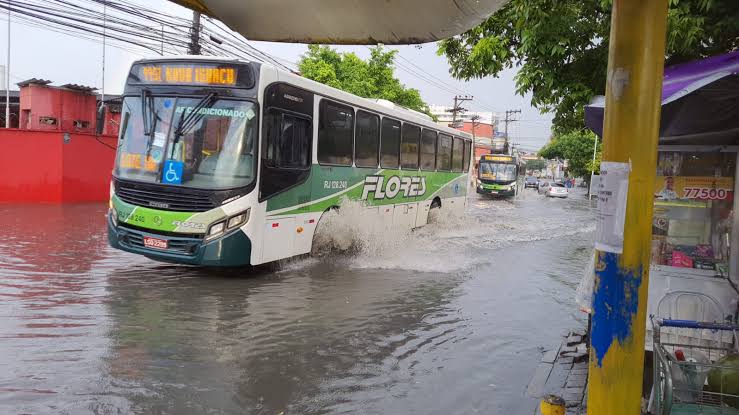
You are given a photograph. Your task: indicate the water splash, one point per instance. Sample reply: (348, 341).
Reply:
(357, 229)
(358, 237)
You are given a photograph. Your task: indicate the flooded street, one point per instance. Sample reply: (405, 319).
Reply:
(450, 320)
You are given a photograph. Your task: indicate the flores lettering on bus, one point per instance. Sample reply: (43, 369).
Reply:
(407, 186)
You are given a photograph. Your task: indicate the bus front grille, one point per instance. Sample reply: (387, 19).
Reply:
(162, 199)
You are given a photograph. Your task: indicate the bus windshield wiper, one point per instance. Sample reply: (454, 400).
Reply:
(146, 111)
(149, 119)
(192, 118)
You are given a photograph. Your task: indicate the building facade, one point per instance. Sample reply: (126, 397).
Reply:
(444, 115)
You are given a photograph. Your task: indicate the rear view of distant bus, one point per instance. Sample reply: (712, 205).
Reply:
(227, 163)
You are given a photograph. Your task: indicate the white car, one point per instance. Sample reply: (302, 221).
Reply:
(556, 190)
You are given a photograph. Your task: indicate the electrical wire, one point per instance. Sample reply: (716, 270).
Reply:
(131, 23)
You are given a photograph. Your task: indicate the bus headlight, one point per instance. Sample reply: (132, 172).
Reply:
(233, 222)
(238, 220)
(216, 229)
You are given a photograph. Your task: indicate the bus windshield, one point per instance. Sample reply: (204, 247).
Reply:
(498, 171)
(190, 142)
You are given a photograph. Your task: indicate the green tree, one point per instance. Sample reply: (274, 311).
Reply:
(561, 47)
(536, 164)
(373, 78)
(575, 147)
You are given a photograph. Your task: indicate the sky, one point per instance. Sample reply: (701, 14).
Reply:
(41, 53)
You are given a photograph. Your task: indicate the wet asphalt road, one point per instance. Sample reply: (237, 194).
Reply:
(451, 319)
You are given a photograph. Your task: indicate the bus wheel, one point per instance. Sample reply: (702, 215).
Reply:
(434, 211)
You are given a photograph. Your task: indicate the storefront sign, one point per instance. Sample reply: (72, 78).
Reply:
(692, 187)
(613, 190)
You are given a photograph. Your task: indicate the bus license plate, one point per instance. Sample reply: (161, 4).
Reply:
(493, 192)
(155, 243)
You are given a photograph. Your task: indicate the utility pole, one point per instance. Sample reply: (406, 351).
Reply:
(162, 52)
(194, 46)
(7, 79)
(636, 59)
(105, 22)
(508, 119)
(458, 100)
(475, 123)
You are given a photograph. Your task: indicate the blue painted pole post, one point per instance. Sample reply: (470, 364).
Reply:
(630, 134)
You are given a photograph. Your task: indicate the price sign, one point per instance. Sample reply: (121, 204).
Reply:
(705, 193)
(694, 187)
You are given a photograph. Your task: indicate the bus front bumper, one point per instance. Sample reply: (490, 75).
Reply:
(496, 190)
(232, 249)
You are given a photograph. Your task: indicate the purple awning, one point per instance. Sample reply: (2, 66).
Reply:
(700, 103)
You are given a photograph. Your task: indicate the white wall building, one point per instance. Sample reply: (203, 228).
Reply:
(442, 112)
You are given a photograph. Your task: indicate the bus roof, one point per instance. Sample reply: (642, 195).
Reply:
(379, 106)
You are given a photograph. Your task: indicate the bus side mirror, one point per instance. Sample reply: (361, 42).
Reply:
(100, 119)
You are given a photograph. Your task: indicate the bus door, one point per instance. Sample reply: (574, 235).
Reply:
(285, 166)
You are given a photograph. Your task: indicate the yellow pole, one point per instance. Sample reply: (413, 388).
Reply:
(631, 126)
(552, 405)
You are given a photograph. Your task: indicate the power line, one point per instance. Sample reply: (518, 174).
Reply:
(131, 25)
(443, 82)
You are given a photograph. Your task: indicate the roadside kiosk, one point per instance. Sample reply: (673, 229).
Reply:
(694, 272)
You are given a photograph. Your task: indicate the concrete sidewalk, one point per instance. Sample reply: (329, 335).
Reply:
(563, 371)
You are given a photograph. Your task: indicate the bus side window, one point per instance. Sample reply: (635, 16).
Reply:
(409, 146)
(367, 139)
(390, 144)
(467, 147)
(428, 150)
(444, 153)
(335, 133)
(457, 154)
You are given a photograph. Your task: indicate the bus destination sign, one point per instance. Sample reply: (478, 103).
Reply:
(488, 157)
(187, 74)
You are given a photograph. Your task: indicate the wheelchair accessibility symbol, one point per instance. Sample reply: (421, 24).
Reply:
(172, 173)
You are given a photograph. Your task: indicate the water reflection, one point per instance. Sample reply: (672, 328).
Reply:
(264, 342)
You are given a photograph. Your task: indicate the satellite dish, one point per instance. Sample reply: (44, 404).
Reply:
(347, 21)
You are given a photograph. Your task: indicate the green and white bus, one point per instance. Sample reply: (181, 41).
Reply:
(500, 175)
(226, 163)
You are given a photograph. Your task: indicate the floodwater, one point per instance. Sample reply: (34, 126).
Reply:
(451, 319)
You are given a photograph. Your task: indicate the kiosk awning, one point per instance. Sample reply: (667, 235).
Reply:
(700, 103)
